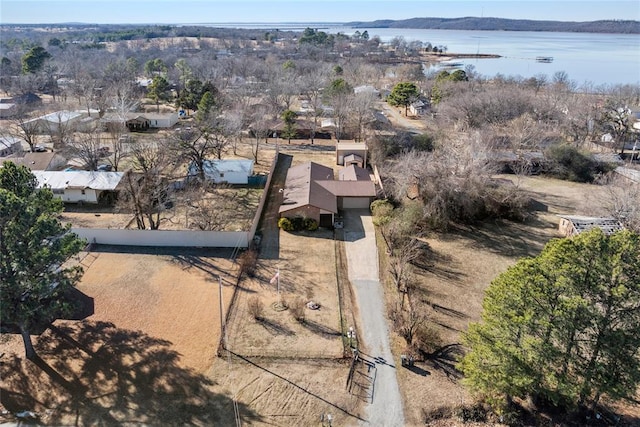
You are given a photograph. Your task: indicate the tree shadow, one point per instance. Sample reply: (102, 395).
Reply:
(445, 360)
(320, 329)
(418, 370)
(506, 238)
(102, 375)
(275, 328)
(440, 265)
(310, 393)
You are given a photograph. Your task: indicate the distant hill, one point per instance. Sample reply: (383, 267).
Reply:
(500, 24)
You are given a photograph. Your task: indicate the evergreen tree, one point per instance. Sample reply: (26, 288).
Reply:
(34, 246)
(563, 327)
(159, 90)
(289, 130)
(403, 94)
(34, 59)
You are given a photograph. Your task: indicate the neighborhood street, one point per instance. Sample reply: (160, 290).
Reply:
(385, 407)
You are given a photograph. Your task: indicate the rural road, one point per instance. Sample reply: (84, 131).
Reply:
(385, 407)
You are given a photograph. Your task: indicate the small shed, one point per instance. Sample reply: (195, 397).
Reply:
(573, 225)
(418, 108)
(355, 152)
(230, 171)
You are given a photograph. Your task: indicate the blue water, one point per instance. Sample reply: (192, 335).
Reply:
(587, 58)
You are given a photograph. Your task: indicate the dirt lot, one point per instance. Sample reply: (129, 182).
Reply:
(154, 326)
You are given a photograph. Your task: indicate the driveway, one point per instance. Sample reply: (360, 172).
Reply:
(385, 407)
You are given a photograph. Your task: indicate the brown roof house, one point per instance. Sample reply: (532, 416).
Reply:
(312, 192)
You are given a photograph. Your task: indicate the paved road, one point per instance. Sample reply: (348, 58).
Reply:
(385, 409)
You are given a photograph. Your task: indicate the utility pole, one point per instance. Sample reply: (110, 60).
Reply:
(221, 314)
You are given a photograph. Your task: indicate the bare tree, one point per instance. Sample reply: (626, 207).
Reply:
(361, 112)
(312, 84)
(146, 190)
(193, 146)
(26, 130)
(622, 200)
(88, 147)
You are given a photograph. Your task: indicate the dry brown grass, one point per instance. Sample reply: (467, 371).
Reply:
(457, 270)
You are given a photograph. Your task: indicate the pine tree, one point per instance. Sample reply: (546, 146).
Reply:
(34, 246)
(564, 327)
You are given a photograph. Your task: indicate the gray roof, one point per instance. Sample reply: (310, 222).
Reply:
(222, 166)
(78, 179)
(62, 116)
(9, 141)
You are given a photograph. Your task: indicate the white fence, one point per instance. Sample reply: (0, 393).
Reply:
(182, 238)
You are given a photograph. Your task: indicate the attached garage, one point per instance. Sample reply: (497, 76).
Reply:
(354, 202)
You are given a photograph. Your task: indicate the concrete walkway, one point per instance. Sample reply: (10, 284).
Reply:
(385, 408)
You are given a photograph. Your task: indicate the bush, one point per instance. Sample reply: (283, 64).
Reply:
(248, 261)
(310, 224)
(256, 308)
(297, 309)
(570, 163)
(297, 224)
(285, 224)
(440, 413)
(476, 413)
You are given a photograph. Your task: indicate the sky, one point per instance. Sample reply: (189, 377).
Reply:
(269, 11)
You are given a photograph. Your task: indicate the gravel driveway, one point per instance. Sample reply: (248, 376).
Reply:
(385, 408)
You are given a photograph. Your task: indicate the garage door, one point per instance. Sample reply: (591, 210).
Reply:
(355, 203)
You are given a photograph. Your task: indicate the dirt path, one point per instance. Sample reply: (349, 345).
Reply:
(399, 120)
(385, 405)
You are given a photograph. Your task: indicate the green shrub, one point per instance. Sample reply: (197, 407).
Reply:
(285, 224)
(298, 223)
(310, 224)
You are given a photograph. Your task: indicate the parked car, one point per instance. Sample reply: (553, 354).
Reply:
(39, 149)
(104, 168)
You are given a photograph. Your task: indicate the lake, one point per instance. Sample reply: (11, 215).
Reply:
(600, 59)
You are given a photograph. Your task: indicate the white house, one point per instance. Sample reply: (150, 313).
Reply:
(232, 171)
(52, 122)
(9, 145)
(79, 186)
(161, 120)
